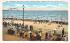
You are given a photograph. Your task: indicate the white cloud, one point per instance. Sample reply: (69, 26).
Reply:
(52, 6)
(41, 6)
(19, 5)
(35, 0)
(59, 8)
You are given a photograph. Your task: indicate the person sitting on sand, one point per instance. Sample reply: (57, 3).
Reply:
(5, 24)
(26, 27)
(32, 36)
(21, 34)
(65, 38)
(38, 37)
(11, 31)
(48, 37)
(26, 37)
(58, 38)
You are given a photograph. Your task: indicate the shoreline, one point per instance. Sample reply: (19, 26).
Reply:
(60, 22)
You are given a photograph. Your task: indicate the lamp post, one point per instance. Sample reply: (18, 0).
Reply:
(23, 17)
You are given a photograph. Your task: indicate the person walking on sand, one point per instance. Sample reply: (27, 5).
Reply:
(31, 27)
(62, 32)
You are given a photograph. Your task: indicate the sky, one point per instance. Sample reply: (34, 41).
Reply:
(36, 5)
(35, 0)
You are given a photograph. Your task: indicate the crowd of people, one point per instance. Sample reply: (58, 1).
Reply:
(28, 33)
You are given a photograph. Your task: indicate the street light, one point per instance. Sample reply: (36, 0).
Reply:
(23, 18)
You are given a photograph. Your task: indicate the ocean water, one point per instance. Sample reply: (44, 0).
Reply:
(53, 15)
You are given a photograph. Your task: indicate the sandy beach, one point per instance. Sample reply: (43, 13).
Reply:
(36, 26)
